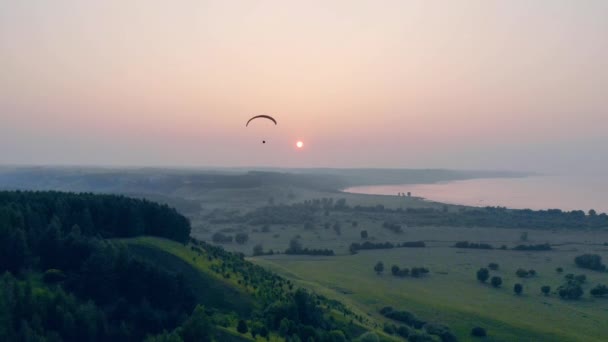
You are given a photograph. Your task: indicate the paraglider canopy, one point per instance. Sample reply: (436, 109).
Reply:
(261, 117)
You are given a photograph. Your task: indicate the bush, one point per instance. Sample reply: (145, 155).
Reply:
(52, 276)
(242, 327)
(517, 288)
(364, 234)
(545, 289)
(571, 291)
(599, 291)
(379, 267)
(493, 266)
(478, 332)
(590, 261)
(221, 238)
(258, 250)
(369, 337)
(241, 238)
(496, 281)
(522, 273)
(483, 274)
(559, 270)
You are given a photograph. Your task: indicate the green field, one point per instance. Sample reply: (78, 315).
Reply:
(453, 296)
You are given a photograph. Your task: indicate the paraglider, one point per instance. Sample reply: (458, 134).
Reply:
(268, 117)
(261, 117)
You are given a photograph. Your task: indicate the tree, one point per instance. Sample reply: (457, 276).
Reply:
(590, 261)
(517, 288)
(241, 238)
(483, 274)
(369, 337)
(522, 273)
(545, 289)
(379, 268)
(478, 332)
(258, 249)
(355, 223)
(493, 266)
(364, 234)
(198, 327)
(241, 327)
(496, 281)
(599, 291)
(338, 228)
(295, 245)
(570, 291)
(395, 270)
(559, 270)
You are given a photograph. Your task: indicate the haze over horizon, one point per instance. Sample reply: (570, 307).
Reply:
(513, 85)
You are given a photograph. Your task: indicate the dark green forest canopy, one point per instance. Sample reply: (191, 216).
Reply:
(106, 215)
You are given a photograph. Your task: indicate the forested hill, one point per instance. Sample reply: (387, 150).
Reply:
(63, 279)
(36, 213)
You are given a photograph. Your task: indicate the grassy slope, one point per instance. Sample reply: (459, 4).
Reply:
(225, 293)
(452, 295)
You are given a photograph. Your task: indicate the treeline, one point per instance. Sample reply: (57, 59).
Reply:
(357, 246)
(538, 247)
(105, 215)
(467, 244)
(415, 272)
(498, 217)
(410, 320)
(481, 245)
(295, 248)
(493, 217)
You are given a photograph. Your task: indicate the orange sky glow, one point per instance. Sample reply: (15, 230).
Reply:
(476, 84)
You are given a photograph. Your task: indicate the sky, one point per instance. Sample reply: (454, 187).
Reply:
(512, 85)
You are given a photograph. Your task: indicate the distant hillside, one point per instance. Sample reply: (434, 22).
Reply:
(167, 182)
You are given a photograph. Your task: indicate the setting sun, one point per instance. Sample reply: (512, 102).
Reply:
(299, 144)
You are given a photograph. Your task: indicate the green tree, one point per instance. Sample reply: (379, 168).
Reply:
(197, 327)
(379, 268)
(258, 249)
(478, 332)
(496, 281)
(517, 288)
(483, 274)
(545, 289)
(364, 234)
(241, 238)
(241, 327)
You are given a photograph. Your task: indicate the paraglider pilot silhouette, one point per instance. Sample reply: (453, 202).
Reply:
(268, 117)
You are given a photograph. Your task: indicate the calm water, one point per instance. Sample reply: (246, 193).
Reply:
(538, 192)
